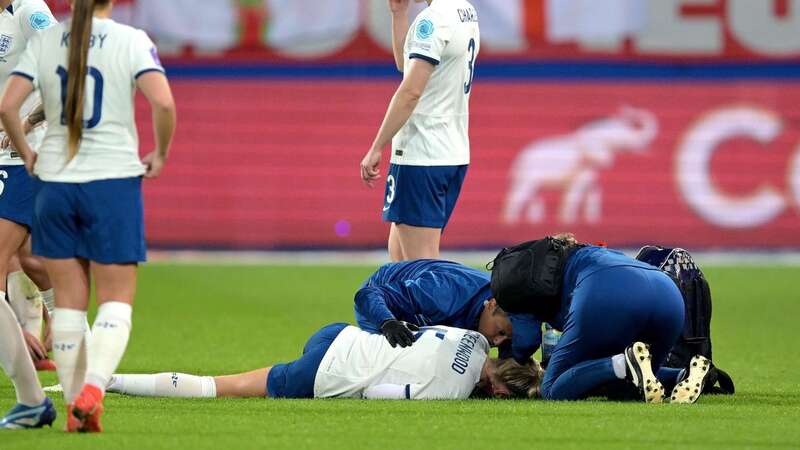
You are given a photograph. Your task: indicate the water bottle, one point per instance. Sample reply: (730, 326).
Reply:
(550, 338)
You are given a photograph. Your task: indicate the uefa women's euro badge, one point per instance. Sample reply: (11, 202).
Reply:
(40, 20)
(425, 30)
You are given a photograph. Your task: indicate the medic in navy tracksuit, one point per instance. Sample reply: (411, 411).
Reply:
(429, 292)
(609, 301)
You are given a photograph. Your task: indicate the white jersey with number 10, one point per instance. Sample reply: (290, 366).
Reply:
(118, 55)
(447, 35)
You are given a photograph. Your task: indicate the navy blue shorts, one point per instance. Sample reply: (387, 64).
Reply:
(102, 221)
(296, 379)
(17, 194)
(422, 196)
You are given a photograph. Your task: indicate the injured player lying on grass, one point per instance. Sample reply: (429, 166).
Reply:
(343, 361)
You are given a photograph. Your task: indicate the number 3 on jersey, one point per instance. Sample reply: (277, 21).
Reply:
(97, 104)
(471, 49)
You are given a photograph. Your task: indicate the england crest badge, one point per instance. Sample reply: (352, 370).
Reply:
(5, 44)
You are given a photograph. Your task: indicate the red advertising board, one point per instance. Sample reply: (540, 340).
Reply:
(274, 164)
(357, 30)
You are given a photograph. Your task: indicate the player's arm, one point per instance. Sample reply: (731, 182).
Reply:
(403, 103)
(526, 338)
(399, 9)
(155, 88)
(436, 389)
(391, 391)
(370, 303)
(17, 90)
(32, 121)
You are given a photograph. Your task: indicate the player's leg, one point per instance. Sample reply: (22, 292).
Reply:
(33, 266)
(418, 242)
(292, 380)
(113, 240)
(70, 278)
(182, 385)
(12, 235)
(33, 409)
(25, 299)
(608, 314)
(28, 305)
(415, 204)
(297, 379)
(17, 196)
(395, 249)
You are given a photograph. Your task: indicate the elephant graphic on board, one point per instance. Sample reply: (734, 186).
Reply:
(572, 163)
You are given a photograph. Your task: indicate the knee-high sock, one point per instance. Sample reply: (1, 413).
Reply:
(110, 333)
(26, 301)
(170, 384)
(16, 360)
(69, 350)
(49, 300)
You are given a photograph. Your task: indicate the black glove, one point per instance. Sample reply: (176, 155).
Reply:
(398, 332)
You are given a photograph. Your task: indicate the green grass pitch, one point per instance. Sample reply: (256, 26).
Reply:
(213, 320)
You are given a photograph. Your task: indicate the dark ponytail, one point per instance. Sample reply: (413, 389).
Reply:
(80, 33)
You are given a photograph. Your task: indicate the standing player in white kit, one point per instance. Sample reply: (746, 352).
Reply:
(88, 218)
(427, 124)
(20, 20)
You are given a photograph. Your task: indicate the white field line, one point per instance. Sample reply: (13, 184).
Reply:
(475, 258)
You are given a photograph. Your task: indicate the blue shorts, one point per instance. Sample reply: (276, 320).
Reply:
(17, 194)
(102, 221)
(422, 196)
(296, 379)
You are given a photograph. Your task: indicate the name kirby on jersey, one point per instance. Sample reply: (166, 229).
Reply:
(98, 39)
(464, 352)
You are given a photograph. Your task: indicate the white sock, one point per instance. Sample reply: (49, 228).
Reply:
(69, 350)
(16, 360)
(49, 300)
(112, 328)
(24, 297)
(170, 384)
(618, 361)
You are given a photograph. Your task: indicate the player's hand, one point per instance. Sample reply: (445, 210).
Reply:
(30, 161)
(154, 162)
(398, 6)
(398, 332)
(35, 348)
(26, 128)
(370, 167)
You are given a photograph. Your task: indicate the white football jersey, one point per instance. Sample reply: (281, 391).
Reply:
(18, 23)
(443, 363)
(445, 34)
(118, 55)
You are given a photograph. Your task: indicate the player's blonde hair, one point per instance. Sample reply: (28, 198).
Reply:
(523, 380)
(80, 34)
(568, 238)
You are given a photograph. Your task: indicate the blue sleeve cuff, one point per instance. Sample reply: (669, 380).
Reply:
(23, 75)
(433, 61)
(526, 336)
(152, 69)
